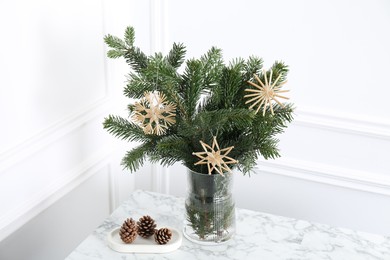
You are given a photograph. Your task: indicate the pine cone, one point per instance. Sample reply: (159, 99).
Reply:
(146, 226)
(128, 231)
(162, 236)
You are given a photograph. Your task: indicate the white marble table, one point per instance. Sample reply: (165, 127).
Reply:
(259, 236)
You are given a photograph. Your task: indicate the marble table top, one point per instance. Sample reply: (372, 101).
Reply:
(259, 236)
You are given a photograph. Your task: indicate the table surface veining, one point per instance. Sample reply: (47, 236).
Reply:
(258, 236)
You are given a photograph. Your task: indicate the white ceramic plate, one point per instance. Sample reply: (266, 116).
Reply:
(144, 245)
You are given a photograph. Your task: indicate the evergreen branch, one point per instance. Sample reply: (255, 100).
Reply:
(283, 115)
(212, 65)
(119, 46)
(133, 55)
(129, 36)
(247, 161)
(135, 158)
(123, 129)
(193, 84)
(253, 66)
(136, 59)
(175, 98)
(114, 42)
(159, 72)
(231, 84)
(176, 55)
(269, 125)
(212, 59)
(173, 149)
(167, 81)
(114, 54)
(225, 119)
(268, 148)
(279, 68)
(209, 99)
(244, 145)
(137, 85)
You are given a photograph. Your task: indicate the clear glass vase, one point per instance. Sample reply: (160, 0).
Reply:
(209, 208)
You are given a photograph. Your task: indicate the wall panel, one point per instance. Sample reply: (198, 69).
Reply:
(57, 88)
(53, 65)
(60, 227)
(334, 167)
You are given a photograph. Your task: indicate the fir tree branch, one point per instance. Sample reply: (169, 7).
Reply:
(176, 55)
(129, 36)
(253, 66)
(193, 84)
(224, 119)
(119, 46)
(247, 160)
(135, 158)
(231, 84)
(133, 55)
(209, 99)
(270, 125)
(175, 98)
(136, 59)
(212, 65)
(160, 72)
(114, 54)
(268, 148)
(137, 85)
(123, 129)
(279, 68)
(114, 42)
(168, 82)
(173, 149)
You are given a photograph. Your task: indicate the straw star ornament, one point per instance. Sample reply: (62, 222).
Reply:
(215, 158)
(153, 113)
(265, 93)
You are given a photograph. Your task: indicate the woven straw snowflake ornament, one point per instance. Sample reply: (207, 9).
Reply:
(265, 93)
(154, 114)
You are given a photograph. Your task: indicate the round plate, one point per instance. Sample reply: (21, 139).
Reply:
(143, 245)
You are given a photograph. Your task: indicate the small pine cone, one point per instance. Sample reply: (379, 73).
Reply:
(162, 236)
(146, 226)
(128, 231)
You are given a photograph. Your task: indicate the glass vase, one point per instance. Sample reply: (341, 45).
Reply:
(209, 208)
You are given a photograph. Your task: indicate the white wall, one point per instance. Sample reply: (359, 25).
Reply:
(334, 167)
(56, 86)
(59, 169)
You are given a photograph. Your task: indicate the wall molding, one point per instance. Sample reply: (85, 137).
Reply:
(160, 178)
(12, 155)
(309, 117)
(113, 188)
(53, 133)
(53, 192)
(327, 174)
(346, 123)
(158, 28)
